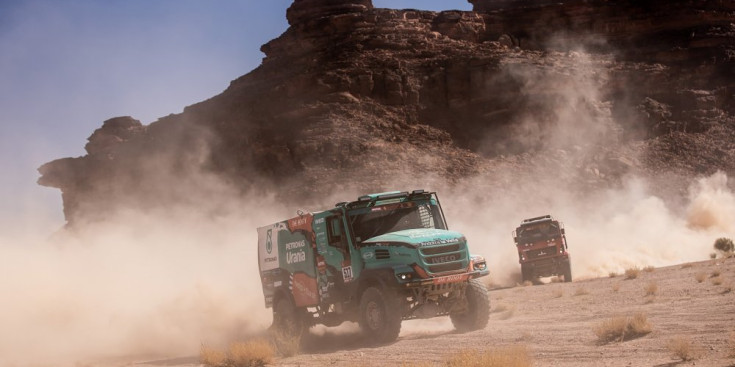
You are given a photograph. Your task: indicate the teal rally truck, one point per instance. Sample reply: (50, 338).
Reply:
(378, 260)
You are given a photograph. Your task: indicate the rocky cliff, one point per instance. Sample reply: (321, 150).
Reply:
(586, 91)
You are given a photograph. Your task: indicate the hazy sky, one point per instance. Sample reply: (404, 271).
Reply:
(68, 65)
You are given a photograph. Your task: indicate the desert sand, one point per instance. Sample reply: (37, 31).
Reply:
(556, 322)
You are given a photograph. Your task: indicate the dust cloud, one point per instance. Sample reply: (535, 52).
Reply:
(615, 218)
(607, 231)
(152, 285)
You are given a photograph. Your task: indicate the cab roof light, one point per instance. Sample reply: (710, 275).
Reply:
(417, 192)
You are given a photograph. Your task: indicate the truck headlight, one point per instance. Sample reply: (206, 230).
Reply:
(405, 276)
(478, 262)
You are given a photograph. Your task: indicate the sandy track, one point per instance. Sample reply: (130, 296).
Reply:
(555, 321)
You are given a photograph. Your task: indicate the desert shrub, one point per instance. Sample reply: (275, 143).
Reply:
(724, 245)
(616, 287)
(649, 269)
(651, 289)
(727, 288)
(622, 328)
(700, 277)
(527, 283)
(713, 256)
(612, 274)
(513, 356)
(681, 348)
(557, 293)
(254, 353)
(211, 357)
(717, 281)
(715, 274)
(632, 273)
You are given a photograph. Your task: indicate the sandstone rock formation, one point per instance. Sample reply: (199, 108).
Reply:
(355, 96)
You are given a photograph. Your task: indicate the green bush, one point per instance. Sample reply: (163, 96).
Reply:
(724, 244)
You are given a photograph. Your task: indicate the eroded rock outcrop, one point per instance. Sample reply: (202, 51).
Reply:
(355, 96)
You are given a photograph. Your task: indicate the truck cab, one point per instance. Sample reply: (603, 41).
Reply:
(542, 249)
(377, 260)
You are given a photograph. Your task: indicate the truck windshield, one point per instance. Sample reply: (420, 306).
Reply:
(539, 232)
(395, 217)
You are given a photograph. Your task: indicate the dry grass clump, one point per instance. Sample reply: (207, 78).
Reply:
(581, 291)
(527, 283)
(715, 274)
(512, 356)
(687, 266)
(651, 288)
(649, 269)
(727, 288)
(616, 287)
(700, 277)
(622, 328)
(612, 274)
(632, 273)
(211, 357)
(253, 353)
(717, 281)
(682, 348)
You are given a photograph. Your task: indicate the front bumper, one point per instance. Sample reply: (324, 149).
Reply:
(446, 279)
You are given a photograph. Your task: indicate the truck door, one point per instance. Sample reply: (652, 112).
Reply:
(339, 257)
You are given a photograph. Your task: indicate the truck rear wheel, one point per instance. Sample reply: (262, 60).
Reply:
(287, 327)
(380, 315)
(477, 314)
(568, 273)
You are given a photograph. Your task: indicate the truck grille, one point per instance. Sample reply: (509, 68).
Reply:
(445, 258)
(446, 267)
(440, 249)
(542, 252)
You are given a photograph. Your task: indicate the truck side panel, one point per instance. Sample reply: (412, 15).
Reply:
(286, 252)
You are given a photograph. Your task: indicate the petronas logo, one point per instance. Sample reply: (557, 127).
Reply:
(269, 241)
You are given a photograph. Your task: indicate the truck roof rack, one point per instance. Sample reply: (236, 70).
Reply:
(542, 218)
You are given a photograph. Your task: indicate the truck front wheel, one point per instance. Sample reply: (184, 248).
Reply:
(380, 315)
(568, 272)
(287, 327)
(527, 274)
(477, 313)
